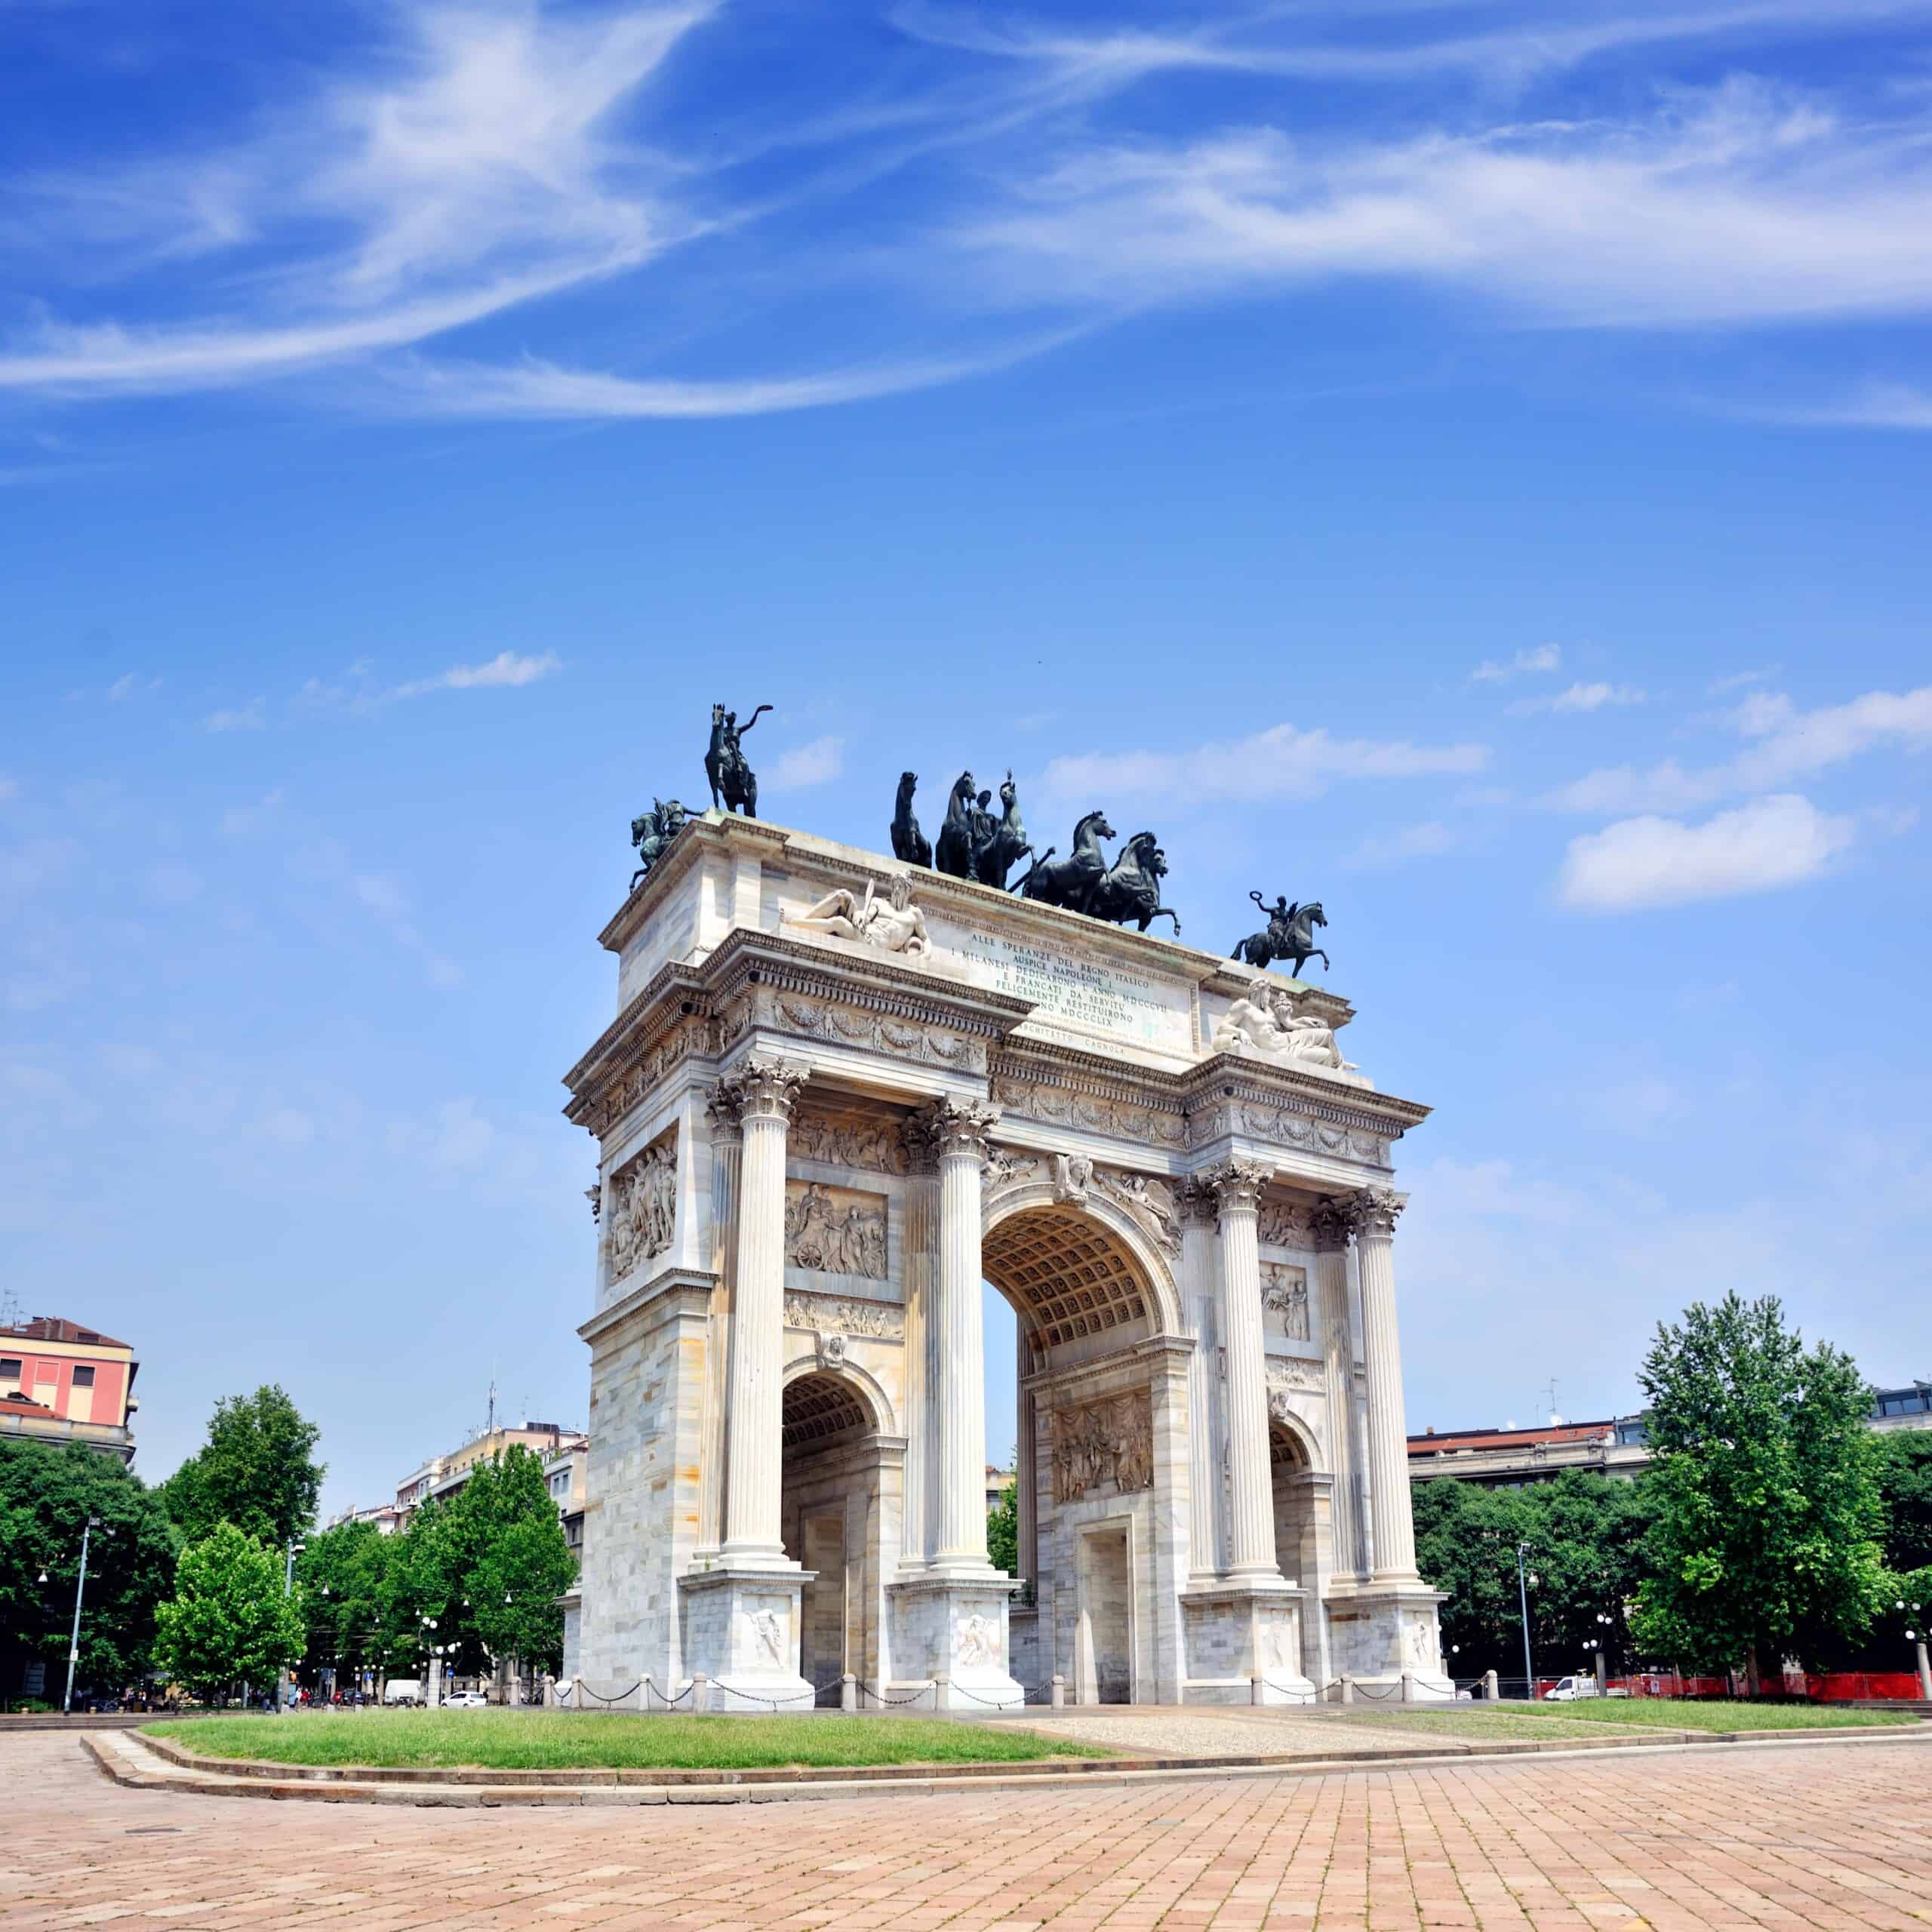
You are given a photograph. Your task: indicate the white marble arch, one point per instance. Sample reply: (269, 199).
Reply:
(1156, 1272)
(862, 1383)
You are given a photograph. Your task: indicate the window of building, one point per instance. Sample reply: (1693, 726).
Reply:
(10, 1368)
(84, 1376)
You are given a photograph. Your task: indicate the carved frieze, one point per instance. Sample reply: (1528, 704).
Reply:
(1285, 1224)
(1007, 1167)
(644, 1207)
(840, 1315)
(849, 1140)
(847, 1025)
(698, 1035)
(1057, 1106)
(1109, 1441)
(1288, 1377)
(1284, 1300)
(837, 1230)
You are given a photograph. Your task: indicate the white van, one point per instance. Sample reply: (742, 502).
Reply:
(406, 1691)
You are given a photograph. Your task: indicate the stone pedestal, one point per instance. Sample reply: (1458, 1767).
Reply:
(741, 1630)
(952, 1630)
(1376, 1634)
(1243, 1643)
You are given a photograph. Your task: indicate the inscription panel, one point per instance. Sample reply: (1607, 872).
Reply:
(1077, 993)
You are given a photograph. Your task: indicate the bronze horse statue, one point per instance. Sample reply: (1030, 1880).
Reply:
(1290, 935)
(734, 783)
(1130, 889)
(954, 853)
(1006, 845)
(1067, 882)
(653, 832)
(910, 846)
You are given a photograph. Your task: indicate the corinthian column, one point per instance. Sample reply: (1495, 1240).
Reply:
(1238, 1186)
(1372, 1213)
(762, 1093)
(1331, 1289)
(1198, 1287)
(959, 1129)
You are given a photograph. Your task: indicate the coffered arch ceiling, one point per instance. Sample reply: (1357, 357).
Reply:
(1069, 1276)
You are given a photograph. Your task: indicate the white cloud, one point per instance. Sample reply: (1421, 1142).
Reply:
(252, 716)
(1780, 841)
(1416, 841)
(122, 687)
(1543, 657)
(1790, 744)
(1717, 686)
(1281, 762)
(507, 670)
(1578, 697)
(817, 763)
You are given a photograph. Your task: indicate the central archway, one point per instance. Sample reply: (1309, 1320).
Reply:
(1087, 1292)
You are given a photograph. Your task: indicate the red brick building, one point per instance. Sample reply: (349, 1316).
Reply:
(60, 1382)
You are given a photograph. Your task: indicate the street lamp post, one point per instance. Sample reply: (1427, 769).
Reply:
(1523, 1597)
(88, 1528)
(288, 1589)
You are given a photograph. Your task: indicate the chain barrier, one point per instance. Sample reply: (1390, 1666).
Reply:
(608, 1703)
(894, 1704)
(1040, 1693)
(651, 1691)
(1292, 1696)
(1391, 1696)
(776, 1703)
(993, 1703)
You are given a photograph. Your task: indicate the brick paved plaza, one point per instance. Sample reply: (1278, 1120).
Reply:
(1822, 1835)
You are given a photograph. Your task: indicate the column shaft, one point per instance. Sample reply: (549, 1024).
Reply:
(919, 1509)
(1207, 1542)
(1338, 1362)
(1374, 1212)
(727, 1149)
(1025, 1468)
(962, 1416)
(764, 1092)
(1238, 1186)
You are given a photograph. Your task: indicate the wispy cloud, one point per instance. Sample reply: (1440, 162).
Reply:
(253, 716)
(1737, 680)
(817, 763)
(1578, 697)
(1428, 840)
(1498, 671)
(1790, 744)
(1640, 863)
(508, 670)
(1279, 763)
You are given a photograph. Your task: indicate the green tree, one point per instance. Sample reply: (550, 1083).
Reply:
(1003, 1530)
(1585, 1534)
(256, 1470)
(231, 1619)
(1905, 1487)
(1763, 1492)
(345, 1576)
(47, 1495)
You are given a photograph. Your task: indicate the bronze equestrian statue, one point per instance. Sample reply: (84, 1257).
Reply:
(1067, 882)
(1130, 889)
(1290, 935)
(954, 853)
(734, 783)
(652, 834)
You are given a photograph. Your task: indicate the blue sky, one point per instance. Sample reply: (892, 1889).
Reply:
(1467, 469)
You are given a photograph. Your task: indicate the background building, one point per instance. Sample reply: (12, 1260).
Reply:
(60, 1382)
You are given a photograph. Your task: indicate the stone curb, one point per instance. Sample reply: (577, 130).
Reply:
(111, 1755)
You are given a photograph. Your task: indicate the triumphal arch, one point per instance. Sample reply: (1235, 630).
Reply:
(839, 1093)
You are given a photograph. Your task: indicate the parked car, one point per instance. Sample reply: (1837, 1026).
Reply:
(467, 1700)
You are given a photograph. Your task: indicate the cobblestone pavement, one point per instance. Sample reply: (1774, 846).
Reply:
(1838, 1836)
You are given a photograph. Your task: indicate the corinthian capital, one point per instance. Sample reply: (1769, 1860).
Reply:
(1329, 1223)
(1237, 1184)
(1372, 1213)
(950, 1126)
(757, 1089)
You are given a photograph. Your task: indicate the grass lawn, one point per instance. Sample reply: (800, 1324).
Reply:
(1684, 1714)
(1480, 1725)
(554, 1740)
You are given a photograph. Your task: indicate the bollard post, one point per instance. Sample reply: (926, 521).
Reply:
(549, 1698)
(644, 1692)
(943, 1690)
(1924, 1672)
(701, 1691)
(1060, 1692)
(848, 1692)
(1408, 1687)
(1254, 1690)
(1492, 1689)
(1348, 1688)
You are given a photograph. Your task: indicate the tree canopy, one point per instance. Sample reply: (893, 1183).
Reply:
(1905, 1488)
(1003, 1530)
(256, 1470)
(47, 1495)
(232, 1618)
(1763, 1492)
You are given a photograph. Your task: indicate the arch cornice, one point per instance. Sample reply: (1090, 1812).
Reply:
(1020, 1197)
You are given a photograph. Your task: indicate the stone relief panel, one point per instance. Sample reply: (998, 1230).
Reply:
(1110, 1440)
(1283, 1224)
(1291, 1127)
(1063, 1106)
(848, 1140)
(837, 1315)
(1284, 1300)
(834, 1230)
(1290, 1378)
(982, 1642)
(643, 1206)
(848, 1026)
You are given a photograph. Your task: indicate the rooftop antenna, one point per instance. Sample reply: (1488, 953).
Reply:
(490, 1429)
(1550, 1391)
(10, 1316)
